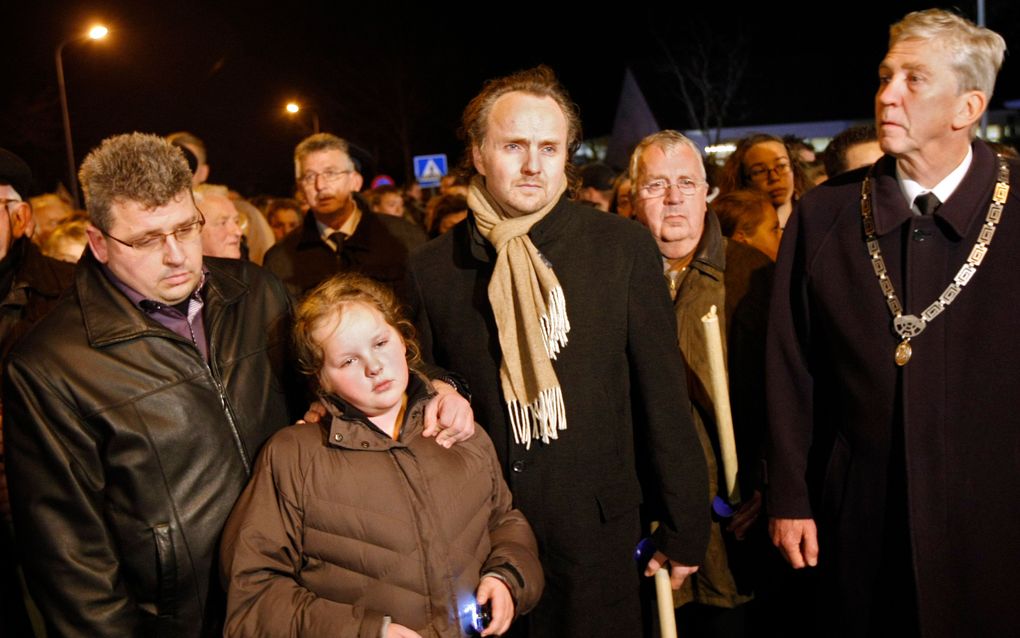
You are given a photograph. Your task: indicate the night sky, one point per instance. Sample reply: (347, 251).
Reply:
(391, 77)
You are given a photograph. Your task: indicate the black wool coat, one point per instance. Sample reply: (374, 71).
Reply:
(627, 409)
(302, 260)
(928, 452)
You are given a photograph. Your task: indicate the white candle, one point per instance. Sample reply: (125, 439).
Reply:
(721, 398)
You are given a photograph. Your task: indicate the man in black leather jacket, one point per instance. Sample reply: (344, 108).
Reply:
(135, 408)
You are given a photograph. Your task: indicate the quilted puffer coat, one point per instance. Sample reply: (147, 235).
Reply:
(342, 525)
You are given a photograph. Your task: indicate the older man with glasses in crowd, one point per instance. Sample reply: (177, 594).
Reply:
(340, 232)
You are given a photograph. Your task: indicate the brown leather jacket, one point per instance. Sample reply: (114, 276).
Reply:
(342, 525)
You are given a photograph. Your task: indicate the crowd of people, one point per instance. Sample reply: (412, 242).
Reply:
(361, 412)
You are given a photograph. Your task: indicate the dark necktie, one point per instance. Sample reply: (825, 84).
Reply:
(927, 203)
(338, 240)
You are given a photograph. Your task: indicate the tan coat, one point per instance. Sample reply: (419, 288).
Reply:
(341, 526)
(735, 279)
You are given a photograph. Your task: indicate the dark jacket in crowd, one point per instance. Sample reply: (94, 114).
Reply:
(126, 449)
(302, 260)
(626, 403)
(343, 525)
(911, 473)
(30, 284)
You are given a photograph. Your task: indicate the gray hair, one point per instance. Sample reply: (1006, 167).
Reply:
(204, 190)
(976, 52)
(668, 140)
(316, 143)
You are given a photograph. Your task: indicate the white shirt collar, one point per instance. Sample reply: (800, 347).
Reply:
(347, 228)
(942, 190)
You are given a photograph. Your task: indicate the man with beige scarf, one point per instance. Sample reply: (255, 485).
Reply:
(556, 316)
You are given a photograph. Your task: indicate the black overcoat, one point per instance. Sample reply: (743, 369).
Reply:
(623, 386)
(931, 449)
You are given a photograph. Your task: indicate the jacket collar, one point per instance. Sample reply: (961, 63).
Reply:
(110, 317)
(710, 255)
(966, 206)
(545, 229)
(351, 428)
(311, 238)
(33, 271)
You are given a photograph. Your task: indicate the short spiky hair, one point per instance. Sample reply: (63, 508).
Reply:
(135, 167)
(329, 299)
(540, 81)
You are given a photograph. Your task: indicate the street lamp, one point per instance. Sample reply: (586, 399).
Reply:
(293, 108)
(97, 32)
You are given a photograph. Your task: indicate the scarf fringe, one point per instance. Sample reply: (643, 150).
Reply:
(555, 324)
(541, 419)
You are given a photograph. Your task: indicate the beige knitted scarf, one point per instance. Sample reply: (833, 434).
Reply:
(531, 317)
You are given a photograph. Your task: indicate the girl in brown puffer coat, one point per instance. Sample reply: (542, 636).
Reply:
(359, 526)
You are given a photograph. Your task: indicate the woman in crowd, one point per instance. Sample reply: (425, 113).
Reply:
(622, 205)
(763, 162)
(749, 217)
(358, 526)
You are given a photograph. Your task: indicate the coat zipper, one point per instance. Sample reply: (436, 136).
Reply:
(223, 400)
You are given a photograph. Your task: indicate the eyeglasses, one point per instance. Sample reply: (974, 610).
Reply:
(658, 188)
(309, 179)
(761, 173)
(155, 241)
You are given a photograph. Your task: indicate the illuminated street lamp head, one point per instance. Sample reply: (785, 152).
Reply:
(292, 107)
(98, 32)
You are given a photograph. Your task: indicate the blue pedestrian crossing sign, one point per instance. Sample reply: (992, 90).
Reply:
(429, 169)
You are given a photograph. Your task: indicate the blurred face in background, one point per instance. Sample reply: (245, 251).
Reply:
(767, 168)
(864, 154)
(765, 235)
(221, 235)
(283, 221)
(327, 179)
(391, 204)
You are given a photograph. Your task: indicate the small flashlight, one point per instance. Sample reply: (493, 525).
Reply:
(475, 617)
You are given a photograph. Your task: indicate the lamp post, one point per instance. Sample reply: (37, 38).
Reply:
(294, 108)
(97, 32)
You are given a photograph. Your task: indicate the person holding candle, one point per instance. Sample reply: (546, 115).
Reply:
(704, 270)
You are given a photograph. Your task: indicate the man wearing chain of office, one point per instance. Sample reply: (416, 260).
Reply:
(894, 359)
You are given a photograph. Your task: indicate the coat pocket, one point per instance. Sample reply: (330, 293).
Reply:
(166, 564)
(618, 499)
